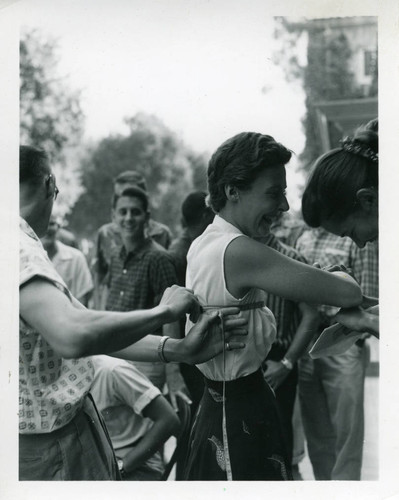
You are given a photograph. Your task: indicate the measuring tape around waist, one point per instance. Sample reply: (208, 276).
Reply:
(242, 307)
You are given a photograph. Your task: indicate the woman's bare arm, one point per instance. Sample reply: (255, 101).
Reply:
(250, 264)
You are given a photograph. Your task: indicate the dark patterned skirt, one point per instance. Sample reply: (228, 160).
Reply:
(255, 443)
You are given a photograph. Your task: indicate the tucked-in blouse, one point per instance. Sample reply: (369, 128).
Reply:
(205, 275)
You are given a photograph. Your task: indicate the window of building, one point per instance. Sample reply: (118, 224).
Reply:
(370, 61)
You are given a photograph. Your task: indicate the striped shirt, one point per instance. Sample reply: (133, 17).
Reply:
(285, 311)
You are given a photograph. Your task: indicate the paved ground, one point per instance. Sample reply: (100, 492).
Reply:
(370, 450)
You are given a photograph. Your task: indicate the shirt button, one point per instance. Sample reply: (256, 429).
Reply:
(124, 271)
(121, 294)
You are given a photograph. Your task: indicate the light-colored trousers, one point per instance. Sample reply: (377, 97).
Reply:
(331, 394)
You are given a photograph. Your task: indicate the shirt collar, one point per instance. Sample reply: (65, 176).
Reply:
(25, 227)
(221, 223)
(138, 253)
(63, 251)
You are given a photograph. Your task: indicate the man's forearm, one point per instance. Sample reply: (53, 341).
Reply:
(302, 338)
(146, 349)
(74, 332)
(110, 332)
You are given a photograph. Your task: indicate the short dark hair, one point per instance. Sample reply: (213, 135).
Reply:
(238, 162)
(194, 207)
(131, 177)
(33, 165)
(133, 192)
(338, 175)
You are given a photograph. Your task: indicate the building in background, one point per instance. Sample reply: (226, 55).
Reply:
(339, 76)
(340, 117)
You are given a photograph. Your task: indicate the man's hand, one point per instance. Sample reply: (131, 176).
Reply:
(275, 373)
(204, 341)
(176, 385)
(181, 301)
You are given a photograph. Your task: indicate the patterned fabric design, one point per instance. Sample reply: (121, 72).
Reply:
(138, 280)
(51, 389)
(280, 466)
(245, 428)
(218, 398)
(220, 458)
(256, 446)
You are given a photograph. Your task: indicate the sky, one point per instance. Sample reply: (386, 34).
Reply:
(204, 68)
(200, 67)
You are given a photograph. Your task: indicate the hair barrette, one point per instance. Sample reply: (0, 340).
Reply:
(357, 148)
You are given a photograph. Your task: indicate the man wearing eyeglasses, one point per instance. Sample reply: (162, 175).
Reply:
(61, 434)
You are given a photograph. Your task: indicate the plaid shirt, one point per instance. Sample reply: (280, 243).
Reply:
(317, 245)
(109, 238)
(285, 311)
(138, 279)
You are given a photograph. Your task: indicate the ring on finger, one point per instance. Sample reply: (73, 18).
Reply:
(228, 346)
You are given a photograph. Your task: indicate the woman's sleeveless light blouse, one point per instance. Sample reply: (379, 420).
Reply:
(205, 275)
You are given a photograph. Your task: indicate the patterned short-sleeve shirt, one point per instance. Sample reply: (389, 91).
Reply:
(51, 389)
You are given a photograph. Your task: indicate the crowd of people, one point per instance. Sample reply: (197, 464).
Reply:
(221, 318)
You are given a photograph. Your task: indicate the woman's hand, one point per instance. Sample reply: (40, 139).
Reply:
(360, 320)
(204, 341)
(369, 302)
(335, 268)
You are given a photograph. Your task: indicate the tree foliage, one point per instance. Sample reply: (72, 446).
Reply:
(50, 114)
(151, 149)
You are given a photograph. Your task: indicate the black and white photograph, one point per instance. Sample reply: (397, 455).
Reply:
(202, 248)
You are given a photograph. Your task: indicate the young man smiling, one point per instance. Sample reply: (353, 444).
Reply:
(140, 271)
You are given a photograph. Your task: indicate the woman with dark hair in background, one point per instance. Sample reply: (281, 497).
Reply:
(341, 196)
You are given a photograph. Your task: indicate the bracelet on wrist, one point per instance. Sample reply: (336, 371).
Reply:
(287, 363)
(161, 346)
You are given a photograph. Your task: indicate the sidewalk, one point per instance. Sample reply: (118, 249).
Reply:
(370, 450)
